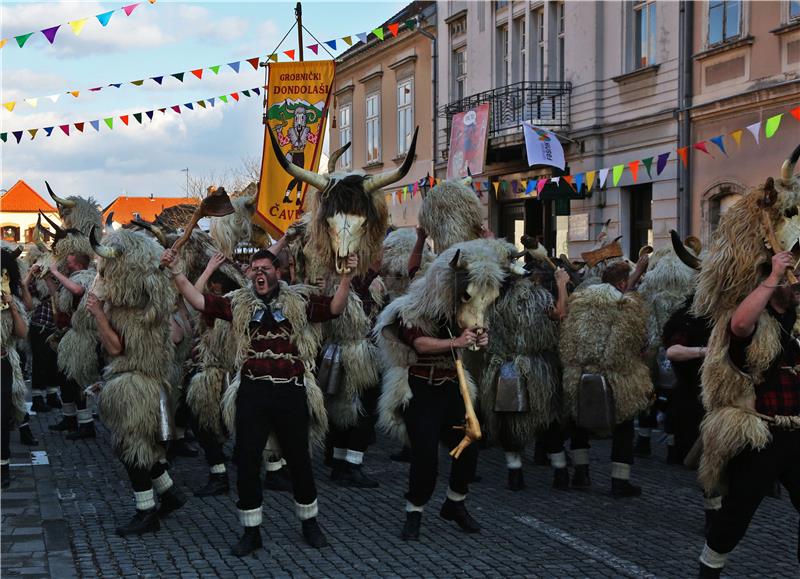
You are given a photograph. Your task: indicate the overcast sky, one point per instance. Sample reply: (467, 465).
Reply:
(155, 40)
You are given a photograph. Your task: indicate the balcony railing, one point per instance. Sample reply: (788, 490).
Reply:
(544, 104)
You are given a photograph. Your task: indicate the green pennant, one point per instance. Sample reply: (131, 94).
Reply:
(202, 103)
(378, 32)
(22, 39)
(179, 76)
(215, 69)
(4, 137)
(411, 24)
(246, 93)
(647, 163)
(138, 117)
(137, 82)
(224, 98)
(110, 122)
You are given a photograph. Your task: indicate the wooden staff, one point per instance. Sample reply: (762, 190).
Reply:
(471, 428)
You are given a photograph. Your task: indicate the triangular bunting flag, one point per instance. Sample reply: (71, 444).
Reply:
(32, 102)
(50, 33)
(3, 137)
(720, 144)
(393, 28)
(105, 17)
(202, 103)
(556, 180)
(701, 146)
(603, 177)
(289, 53)
(772, 125)
(313, 48)
(96, 89)
(149, 114)
(647, 164)
(64, 128)
(569, 179)
(2, 44)
(540, 185)
(331, 43)
(431, 181)
(795, 112)
(616, 174)
(137, 82)
(254, 61)
(211, 101)
(95, 125)
(215, 68)
(110, 122)
(411, 24)
(179, 76)
(754, 129)
(79, 126)
(590, 179)
(578, 182)
(49, 130)
(273, 57)
(233, 65)
(77, 26)
(661, 162)
(235, 96)
(10, 105)
(33, 133)
(176, 108)
(683, 153)
(130, 8)
(634, 168)
(737, 137)
(75, 93)
(116, 84)
(378, 32)
(224, 98)
(362, 36)
(163, 111)
(54, 97)
(348, 40)
(21, 40)
(189, 106)
(495, 186)
(246, 93)
(530, 186)
(158, 79)
(198, 73)
(124, 119)
(17, 135)
(138, 117)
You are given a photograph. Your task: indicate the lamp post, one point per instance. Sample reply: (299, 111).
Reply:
(186, 170)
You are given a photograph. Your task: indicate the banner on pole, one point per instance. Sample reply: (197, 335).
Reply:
(543, 147)
(468, 139)
(297, 104)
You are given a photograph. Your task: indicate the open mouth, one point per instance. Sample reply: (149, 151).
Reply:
(341, 265)
(261, 282)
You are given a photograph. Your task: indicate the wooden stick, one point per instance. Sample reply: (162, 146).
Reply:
(472, 428)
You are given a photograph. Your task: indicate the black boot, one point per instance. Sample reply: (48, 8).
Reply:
(313, 534)
(85, 430)
(642, 447)
(217, 485)
(26, 436)
(403, 455)
(456, 511)
(621, 488)
(278, 480)
(249, 542)
(353, 476)
(5, 477)
(580, 477)
(411, 528)
(53, 401)
(338, 468)
(142, 522)
(172, 499)
(707, 572)
(67, 424)
(561, 479)
(181, 448)
(516, 482)
(39, 405)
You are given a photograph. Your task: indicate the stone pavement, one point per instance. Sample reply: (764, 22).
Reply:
(59, 520)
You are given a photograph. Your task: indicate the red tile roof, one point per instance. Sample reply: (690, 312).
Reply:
(146, 207)
(22, 199)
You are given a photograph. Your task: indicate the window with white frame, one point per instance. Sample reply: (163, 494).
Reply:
(794, 9)
(724, 20)
(459, 73)
(346, 134)
(522, 40)
(503, 70)
(644, 33)
(373, 116)
(540, 40)
(405, 115)
(561, 41)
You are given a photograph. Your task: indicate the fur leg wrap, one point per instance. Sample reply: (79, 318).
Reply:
(454, 496)
(620, 470)
(513, 460)
(85, 416)
(339, 453)
(274, 465)
(712, 503)
(580, 456)
(69, 409)
(558, 460)
(412, 508)
(217, 469)
(145, 500)
(305, 512)
(711, 558)
(354, 457)
(163, 483)
(251, 518)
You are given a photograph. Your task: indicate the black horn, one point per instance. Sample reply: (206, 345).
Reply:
(304, 175)
(788, 165)
(372, 184)
(57, 199)
(684, 254)
(335, 156)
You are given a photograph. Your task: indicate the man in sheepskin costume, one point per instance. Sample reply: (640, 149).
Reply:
(751, 389)
(277, 339)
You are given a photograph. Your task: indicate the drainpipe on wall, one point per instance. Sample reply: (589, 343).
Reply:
(685, 90)
(435, 74)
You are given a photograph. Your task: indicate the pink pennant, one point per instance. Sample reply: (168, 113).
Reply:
(176, 108)
(314, 48)
(64, 128)
(130, 8)
(540, 185)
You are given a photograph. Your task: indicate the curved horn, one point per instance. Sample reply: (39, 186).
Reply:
(59, 232)
(152, 228)
(335, 156)
(304, 175)
(101, 250)
(456, 257)
(684, 254)
(37, 236)
(374, 183)
(110, 220)
(17, 252)
(59, 200)
(788, 165)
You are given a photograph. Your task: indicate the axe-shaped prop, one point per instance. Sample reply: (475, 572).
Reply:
(471, 428)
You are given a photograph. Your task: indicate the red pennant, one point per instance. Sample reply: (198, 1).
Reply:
(235, 96)
(64, 128)
(701, 146)
(683, 153)
(164, 111)
(253, 62)
(393, 28)
(431, 181)
(289, 53)
(79, 126)
(176, 108)
(124, 119)
(795, 112)
(634, 167)
(568, 179)
(198, 73)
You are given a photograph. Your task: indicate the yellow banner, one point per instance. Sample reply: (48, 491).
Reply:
(297, 104)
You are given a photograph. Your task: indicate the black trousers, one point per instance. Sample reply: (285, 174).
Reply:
(208, 441)
(552, 439)
(263, 408)
(44, 371)
(684, 415)
(71, 392)
(621, 441)
(751, 475)
(141, 478)
(430, 417)
(6, 407)
(360, 436)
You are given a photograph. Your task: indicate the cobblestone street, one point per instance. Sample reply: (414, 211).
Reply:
(59, 520)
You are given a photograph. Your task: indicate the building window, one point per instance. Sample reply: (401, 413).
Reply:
(724, 20)
(561, 41)
(644, 21)
(373, 128)
(10, 233)
(458, 27)
(346, 135)
(500, 4)
(405, 115)
(641, 224)
(459, 73)
(505, 62)
(522, 48)
(539, 19)
(794, 9)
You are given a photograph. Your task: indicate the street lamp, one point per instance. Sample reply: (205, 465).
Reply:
(186, 170)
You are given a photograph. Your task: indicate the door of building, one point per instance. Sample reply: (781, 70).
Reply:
(531, 217)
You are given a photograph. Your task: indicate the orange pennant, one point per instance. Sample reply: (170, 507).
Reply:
(683, 153)
(568, 179)
(393, 28)
(75, 93)
(634, 167)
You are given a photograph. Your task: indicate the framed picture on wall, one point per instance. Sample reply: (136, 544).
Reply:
(578, 227)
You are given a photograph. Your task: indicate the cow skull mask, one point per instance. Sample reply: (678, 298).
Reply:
(471, 299)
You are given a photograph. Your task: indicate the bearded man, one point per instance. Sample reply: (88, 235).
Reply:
(277, 335)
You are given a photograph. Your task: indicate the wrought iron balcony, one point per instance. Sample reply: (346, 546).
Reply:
(544, 104)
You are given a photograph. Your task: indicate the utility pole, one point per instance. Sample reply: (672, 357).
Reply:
(298, 14)
(186, 170)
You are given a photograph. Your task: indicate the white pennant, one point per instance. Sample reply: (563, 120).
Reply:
(603, 177)
(555, 180)
(54, 97)
(754, 129)
(33, 102)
